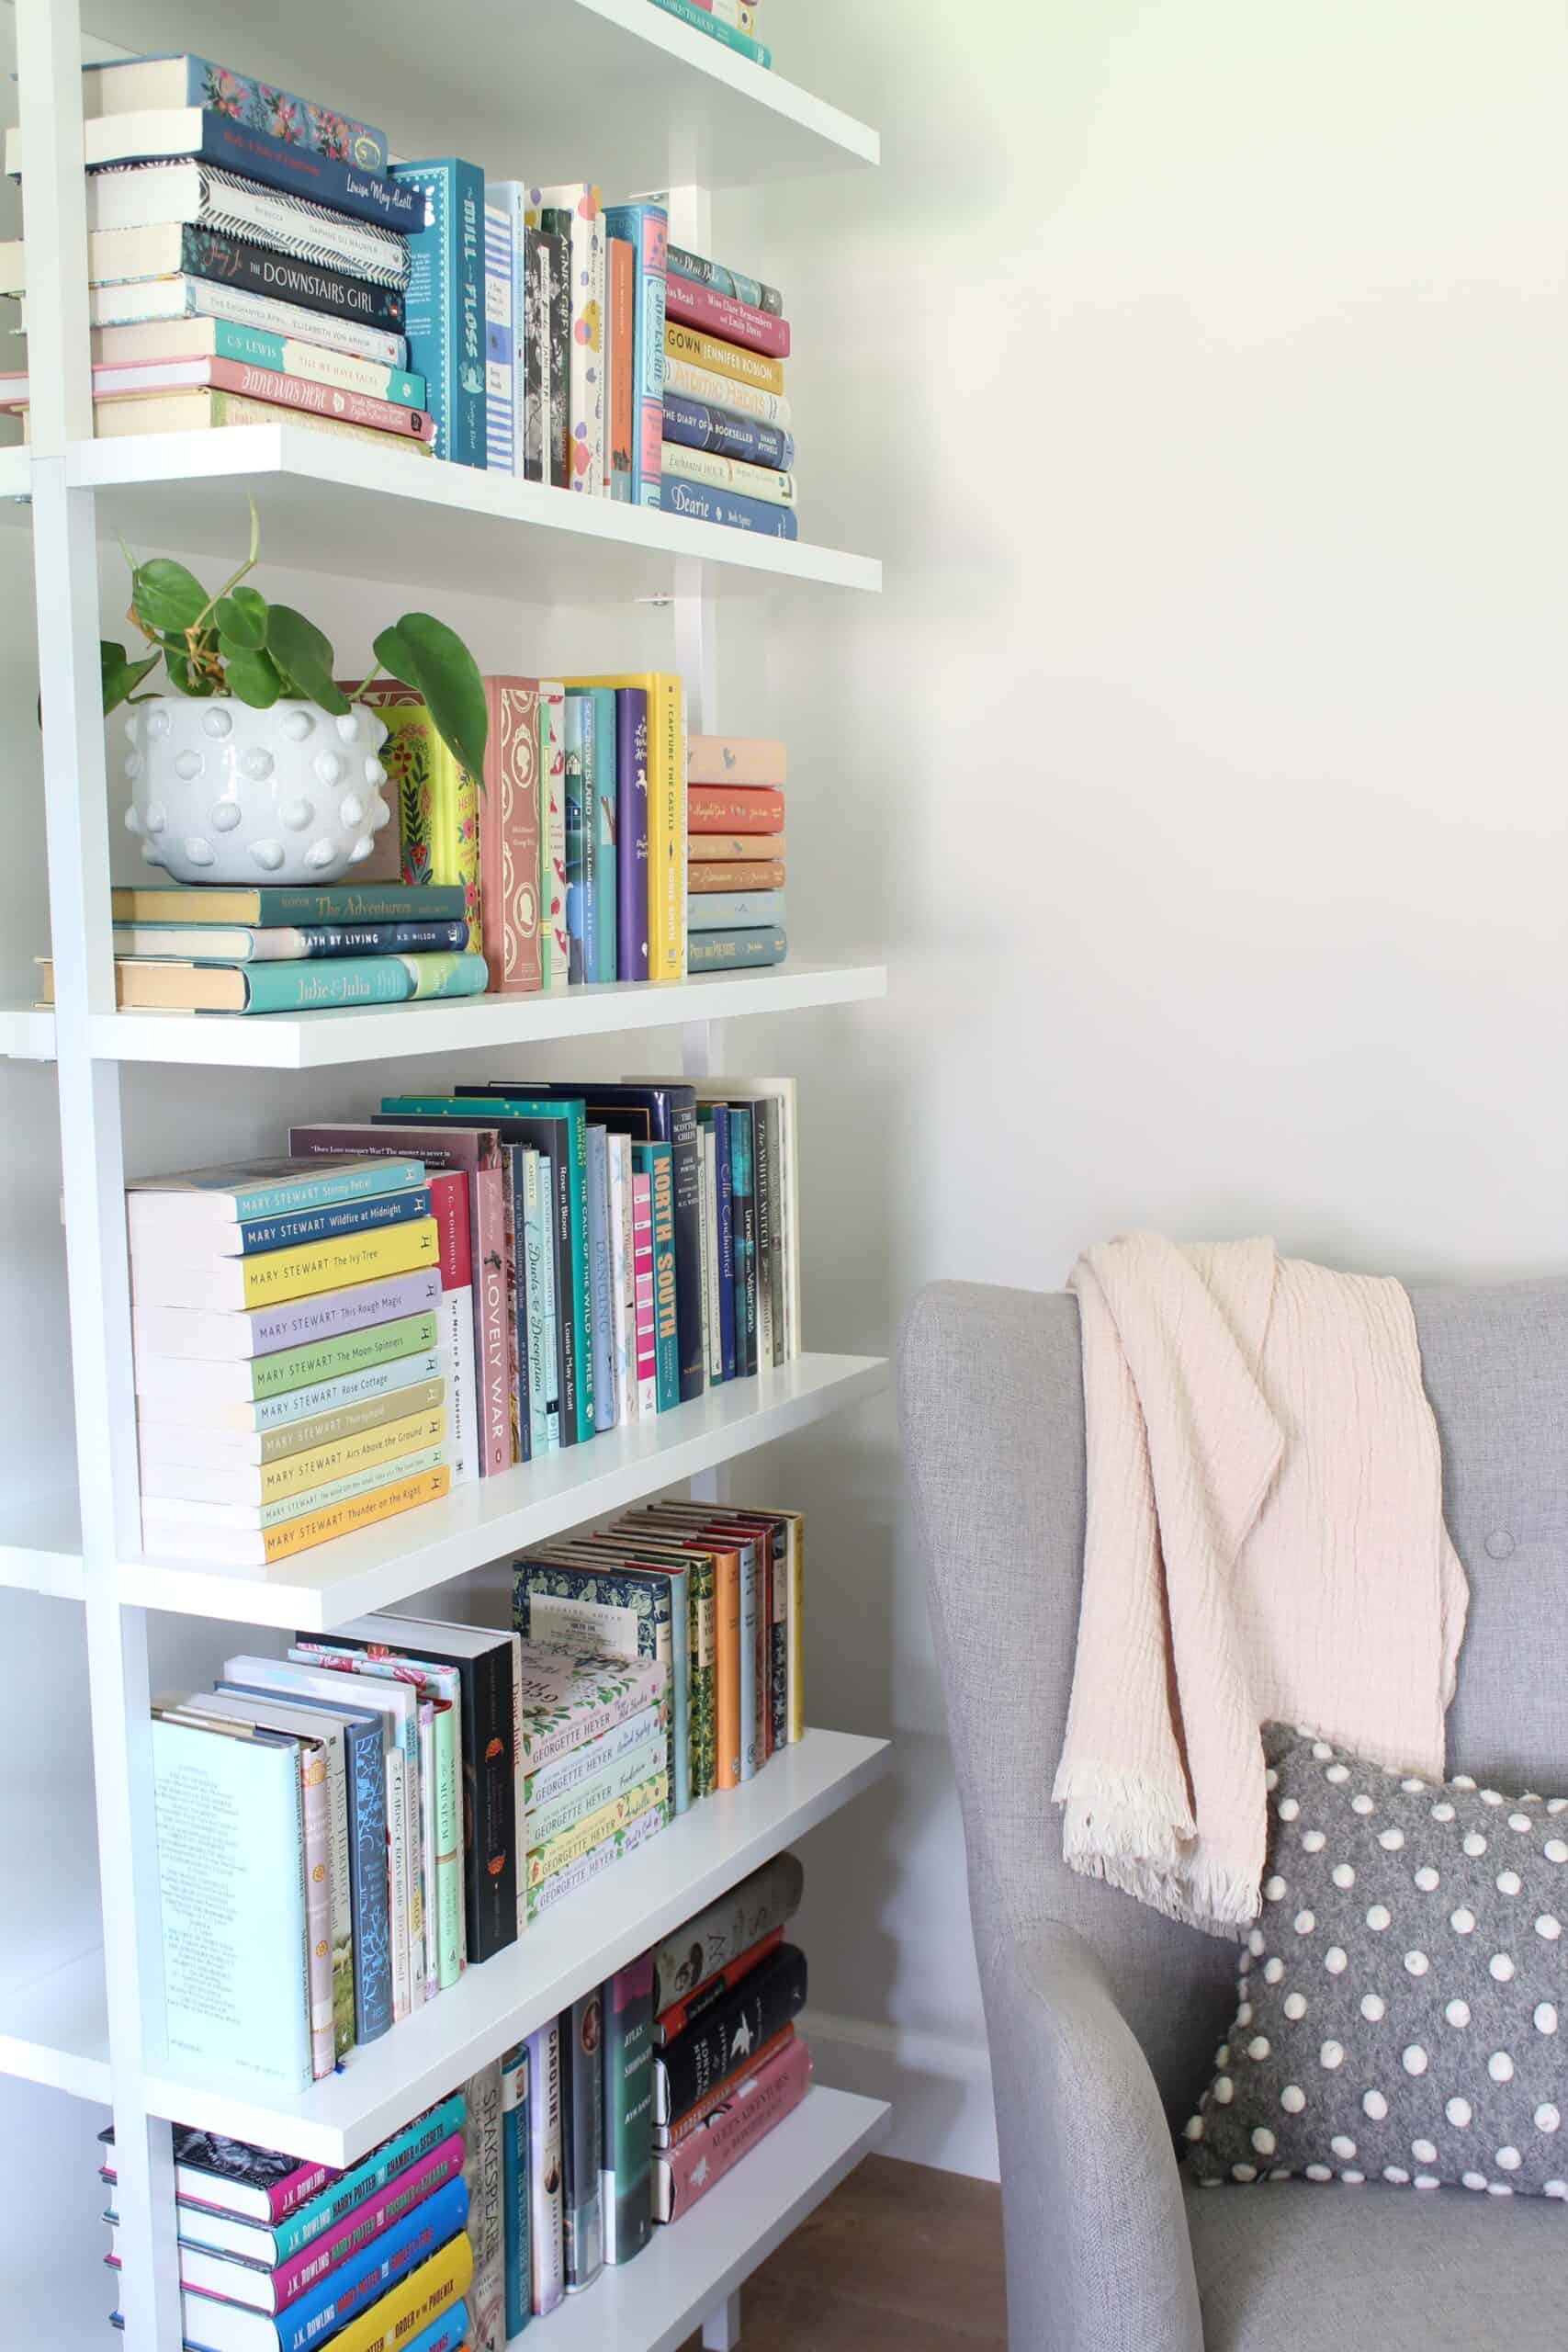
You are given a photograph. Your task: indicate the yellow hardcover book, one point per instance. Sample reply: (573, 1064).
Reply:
(723, 358)
(235, 1285)
(396, 2317)
(438, 800)
(297, 1474)
(665, 819)
(556, 1852)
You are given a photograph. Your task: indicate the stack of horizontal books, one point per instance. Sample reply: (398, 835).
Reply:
(276, 948)
(735, 853)
(728, 454)
(288, 1324)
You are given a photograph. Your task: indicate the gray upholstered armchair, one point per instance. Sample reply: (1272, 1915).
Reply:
(1103, 2018)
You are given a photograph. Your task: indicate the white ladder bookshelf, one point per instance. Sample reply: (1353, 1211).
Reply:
(635, 94)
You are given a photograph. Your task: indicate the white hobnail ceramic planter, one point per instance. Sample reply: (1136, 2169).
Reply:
(222, 793)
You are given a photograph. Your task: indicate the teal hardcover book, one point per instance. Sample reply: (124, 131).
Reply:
(334, 982)
(230, 1827)
(735, 951)
(443, 308)
(654, 1160)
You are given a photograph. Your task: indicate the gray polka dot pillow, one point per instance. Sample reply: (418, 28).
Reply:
(1402, 2009)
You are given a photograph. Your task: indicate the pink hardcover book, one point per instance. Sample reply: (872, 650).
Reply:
(737, 759)
(321, 400)
(722, 315)
(355, 2230)
(509, 838)
(476, 1152)
(683, 2174)
(642, 1263)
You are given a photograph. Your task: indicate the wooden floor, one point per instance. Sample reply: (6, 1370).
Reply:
(898, 2256)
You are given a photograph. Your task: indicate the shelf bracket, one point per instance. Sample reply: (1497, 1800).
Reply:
(721, 2329)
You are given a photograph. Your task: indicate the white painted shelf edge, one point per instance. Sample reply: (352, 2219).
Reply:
(58, 2034)
(653, 2303)
(463, 1024)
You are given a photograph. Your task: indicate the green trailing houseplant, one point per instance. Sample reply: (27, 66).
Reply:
(236, 642)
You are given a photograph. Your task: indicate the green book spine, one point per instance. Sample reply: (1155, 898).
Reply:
(350, 1352)
(572, 1114)
(653, 1160)
(448, 1906)
(701, 1600)
(628, 2183)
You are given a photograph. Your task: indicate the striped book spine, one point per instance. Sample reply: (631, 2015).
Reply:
(502, 351)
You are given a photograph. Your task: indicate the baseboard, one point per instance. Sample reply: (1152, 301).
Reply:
(938, 2087)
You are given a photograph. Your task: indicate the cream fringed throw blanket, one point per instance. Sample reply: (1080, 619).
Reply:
(1264, 1540)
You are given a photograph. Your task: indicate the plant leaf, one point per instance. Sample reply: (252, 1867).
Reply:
(186, 681)
(425, 654)
(121, 675)
(165, 595)
(304, 657)
(241, 619)
(251, 673)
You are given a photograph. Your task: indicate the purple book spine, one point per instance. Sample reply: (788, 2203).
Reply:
(631, 833)
(302, 1319)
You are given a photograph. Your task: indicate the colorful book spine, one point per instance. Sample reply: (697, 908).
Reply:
(695, 424)
(318, 1908)
(647, 1322)
(749, 876)
(544, 1403)
(702, 21)
(770, 1996)
(631, 833)
(714, 313)
(371, 2219)
(449, 1191)
(514, 2189)
(736, 951)
(732, 282)
(545, 2252)
(446, 301)
(417, 2313)
(359, 2283)
(731, 508)
(253, 105)
(364, 192)
(732, 361)
(344, 980)
(626, 2174)
(555, 943)
(274, 1275)
(301, 1227)
(752, 809)
(653, 1160)
(709, 469)
(323, 1524)
(535, 454)
(288, 1325)
(670, 2135)
(620, 355)
(602, 1334)
(579, 212)
(438, 803)
(583, 2140)
(330, 401)
(617, 1779)
(482, 2171)
(646, 228)
(726, 393)
(502, 349)
(622, 1277)
(509, 837)
(736, 910)
(674, 2020)
(556, 276)
(575, 887)
(719, 1122)
(584, 1763)
(164, 1438)
(620, 1613)
(759, 2101)
(292, 356)
(601, 953)
(615, 1848)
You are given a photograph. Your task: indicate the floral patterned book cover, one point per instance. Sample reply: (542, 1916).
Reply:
(239, 98)
(571, 1695)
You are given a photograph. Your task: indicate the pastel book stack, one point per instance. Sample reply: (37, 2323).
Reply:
(731, 22)
(288, 1325)
(729, 453)
(729, 2063)
(216, 948)
(572, 1697)
(713, 1597)
(252, 258)
(276, 2255)
(634, 1244)
(735, 853)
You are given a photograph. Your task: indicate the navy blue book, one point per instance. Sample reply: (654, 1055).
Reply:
(725, 506)
(280, 164)
(325, 1224)
(366, 1774)
(445, 302)
(598, 1261)
(746, 437)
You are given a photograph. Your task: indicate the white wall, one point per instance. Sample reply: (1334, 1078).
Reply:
(1199, 374)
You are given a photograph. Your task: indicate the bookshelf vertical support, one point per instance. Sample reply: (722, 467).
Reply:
(721, 2329)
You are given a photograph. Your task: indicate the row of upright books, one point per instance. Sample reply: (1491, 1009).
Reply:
(658, 856)
(458, 1285)
(485, 2212)
(344, 1831)
(252, 255)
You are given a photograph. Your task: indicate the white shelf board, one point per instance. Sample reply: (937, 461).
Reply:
(327, 505)
(40, 1545)
(591, 1935)
(56, 2029)
(654, 2302)
(485, 1519)
(629, 91)
(462, 1024)
(16, 478)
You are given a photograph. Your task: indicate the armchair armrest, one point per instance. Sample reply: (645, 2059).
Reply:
(1098, 2253)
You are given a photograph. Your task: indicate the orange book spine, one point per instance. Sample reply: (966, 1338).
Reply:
(304, 1533)
(735, 759)
(622, 368)
(734, 809)
(670, 2135)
